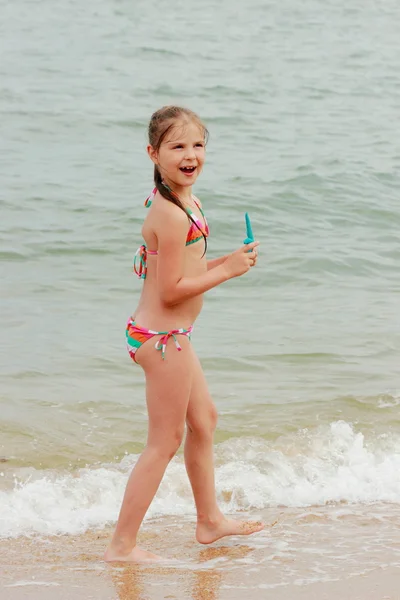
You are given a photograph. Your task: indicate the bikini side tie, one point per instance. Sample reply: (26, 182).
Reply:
(161, 344)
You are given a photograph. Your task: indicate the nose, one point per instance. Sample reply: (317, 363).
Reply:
(190, 153)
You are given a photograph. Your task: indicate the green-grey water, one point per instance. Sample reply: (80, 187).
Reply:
(302, 101)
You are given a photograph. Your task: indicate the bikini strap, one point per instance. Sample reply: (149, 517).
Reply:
(150, 199)
(198, 222)
(198, 205)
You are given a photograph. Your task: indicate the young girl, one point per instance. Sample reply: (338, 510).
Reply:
(176, 274)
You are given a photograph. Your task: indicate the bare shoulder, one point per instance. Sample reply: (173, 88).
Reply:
(166, 213)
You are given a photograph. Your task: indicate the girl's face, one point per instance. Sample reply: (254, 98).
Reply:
(181, 155)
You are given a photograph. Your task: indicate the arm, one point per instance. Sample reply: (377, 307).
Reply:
(171, 230)
(215, 262)
(189, 287)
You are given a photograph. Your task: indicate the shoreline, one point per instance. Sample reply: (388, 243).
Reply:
(303, 557)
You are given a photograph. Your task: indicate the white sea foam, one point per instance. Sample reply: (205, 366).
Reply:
(333, 463)
(25, 583)
(389, 400)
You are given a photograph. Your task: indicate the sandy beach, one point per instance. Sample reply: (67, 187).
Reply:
(289, 560)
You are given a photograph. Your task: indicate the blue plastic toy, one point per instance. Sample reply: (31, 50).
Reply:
(249, 231)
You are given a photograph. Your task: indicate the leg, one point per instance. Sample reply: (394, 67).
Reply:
(168, 384)
(201, 421)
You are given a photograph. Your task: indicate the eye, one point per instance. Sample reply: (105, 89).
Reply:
(178, 146)
(199, 144)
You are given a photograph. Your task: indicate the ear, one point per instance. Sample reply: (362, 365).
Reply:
(153, 154)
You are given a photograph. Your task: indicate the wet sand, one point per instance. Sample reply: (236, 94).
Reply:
(307, 555)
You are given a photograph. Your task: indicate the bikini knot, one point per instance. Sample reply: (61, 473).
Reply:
(140, 262)
(161, 344)
(150, 199)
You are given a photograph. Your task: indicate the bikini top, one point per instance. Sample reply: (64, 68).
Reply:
(195, 233)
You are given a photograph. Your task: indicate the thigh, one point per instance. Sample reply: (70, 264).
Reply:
(168, 385)
(201, 410)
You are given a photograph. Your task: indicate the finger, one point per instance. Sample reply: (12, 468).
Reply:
(250, 246)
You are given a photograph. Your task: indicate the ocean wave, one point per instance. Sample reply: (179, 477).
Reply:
(330, 464)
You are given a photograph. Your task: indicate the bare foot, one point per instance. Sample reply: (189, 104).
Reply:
(207, 533)
(136, 556)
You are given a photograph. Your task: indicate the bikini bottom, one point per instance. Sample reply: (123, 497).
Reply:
(136, 336)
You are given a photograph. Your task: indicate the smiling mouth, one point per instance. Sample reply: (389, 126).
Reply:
(187, 169)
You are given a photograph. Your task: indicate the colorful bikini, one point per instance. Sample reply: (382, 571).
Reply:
(195, 234)
(136, 336)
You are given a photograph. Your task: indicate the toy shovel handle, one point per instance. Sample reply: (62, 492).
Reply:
(249, 230)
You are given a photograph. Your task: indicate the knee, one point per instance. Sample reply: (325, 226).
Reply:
(204, 428)
(213, 418)
(167, 446)
(174, 443)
